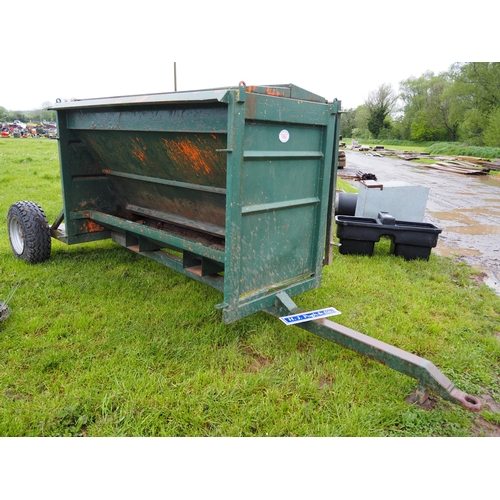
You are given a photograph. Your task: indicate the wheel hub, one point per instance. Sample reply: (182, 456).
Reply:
(16, 236)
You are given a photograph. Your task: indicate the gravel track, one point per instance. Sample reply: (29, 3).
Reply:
(465, 207)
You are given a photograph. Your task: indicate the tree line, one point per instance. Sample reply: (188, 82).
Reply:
(37, 115)
(459, 105)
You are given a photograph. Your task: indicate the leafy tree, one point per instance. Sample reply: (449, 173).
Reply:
(413, 94)
(478, 83)
(427, 106)
(347, 122)
(444, 106)
(420, 130)
(380, 103)
(42, 114)
(361, 118)
(477, 96)
(492, 130)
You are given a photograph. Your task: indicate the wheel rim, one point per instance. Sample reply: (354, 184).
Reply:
(16, 236)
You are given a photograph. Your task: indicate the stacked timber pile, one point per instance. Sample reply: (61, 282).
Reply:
(466, 165)
(341, 162)
(490, 164)
(411, 155)
(355, 146)
(460, 167)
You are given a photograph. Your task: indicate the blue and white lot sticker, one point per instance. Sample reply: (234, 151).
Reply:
(309, 316)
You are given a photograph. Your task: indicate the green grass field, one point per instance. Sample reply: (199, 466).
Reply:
(103, 342)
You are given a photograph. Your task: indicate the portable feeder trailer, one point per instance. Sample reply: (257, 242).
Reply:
(233, 187)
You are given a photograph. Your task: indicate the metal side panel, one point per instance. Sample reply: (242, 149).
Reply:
(278, 192)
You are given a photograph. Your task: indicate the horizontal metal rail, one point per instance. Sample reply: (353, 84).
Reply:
(426, 373)
(279, 205)
(282, 155)
(178, 219)
(166, 182)
(162, 237)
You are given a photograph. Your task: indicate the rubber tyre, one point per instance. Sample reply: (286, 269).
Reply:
(29, 232)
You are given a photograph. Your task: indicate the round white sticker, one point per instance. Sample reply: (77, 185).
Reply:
(284, 136)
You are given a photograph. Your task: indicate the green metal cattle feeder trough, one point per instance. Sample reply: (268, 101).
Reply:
(233, 187)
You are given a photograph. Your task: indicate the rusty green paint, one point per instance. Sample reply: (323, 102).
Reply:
(208, 173)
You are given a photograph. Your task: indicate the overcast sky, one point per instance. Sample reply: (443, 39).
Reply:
(107, 48)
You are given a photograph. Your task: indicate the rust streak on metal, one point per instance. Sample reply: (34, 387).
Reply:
(199, 159)
(275, 92)
(93, 227)
(139, 154)
(138, 151)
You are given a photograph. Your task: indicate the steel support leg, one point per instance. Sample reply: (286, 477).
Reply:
(426, 373)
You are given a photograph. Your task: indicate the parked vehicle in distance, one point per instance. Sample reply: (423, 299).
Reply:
(19, 124)
(5, 133)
